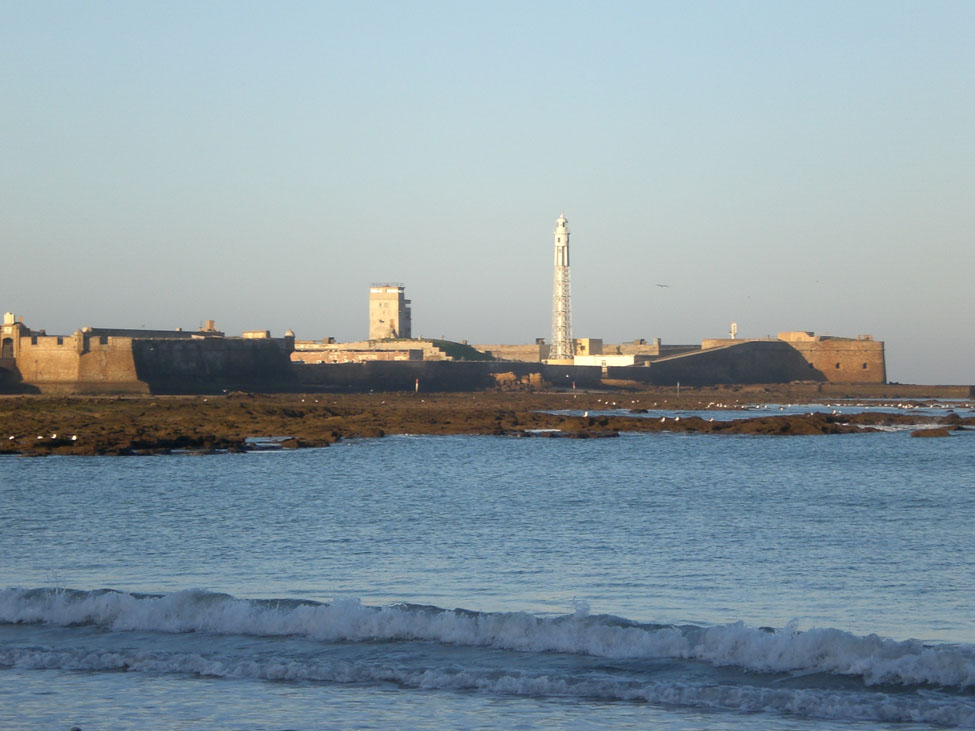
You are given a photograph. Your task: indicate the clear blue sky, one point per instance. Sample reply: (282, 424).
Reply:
(786, 165)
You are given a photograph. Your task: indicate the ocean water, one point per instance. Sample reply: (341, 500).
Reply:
(650, 581)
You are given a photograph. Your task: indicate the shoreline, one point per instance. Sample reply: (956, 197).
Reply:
(140, 425)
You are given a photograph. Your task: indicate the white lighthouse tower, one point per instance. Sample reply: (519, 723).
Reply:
(562, 346)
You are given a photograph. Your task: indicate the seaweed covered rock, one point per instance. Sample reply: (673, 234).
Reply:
(938, 432)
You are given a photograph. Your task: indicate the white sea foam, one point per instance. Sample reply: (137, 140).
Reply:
(874, 659)
(930, 708)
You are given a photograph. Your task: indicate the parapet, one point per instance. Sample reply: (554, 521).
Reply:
(123, 332)
(798, 336)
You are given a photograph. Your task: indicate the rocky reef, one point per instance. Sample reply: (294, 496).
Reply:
(236, 422)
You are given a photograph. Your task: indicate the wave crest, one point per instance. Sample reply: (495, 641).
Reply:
(874, 659)
(817, 703)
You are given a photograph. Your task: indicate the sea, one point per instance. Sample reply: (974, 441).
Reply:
(664, 580)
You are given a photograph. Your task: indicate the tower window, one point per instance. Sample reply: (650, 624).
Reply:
(837, 366)
(864, 366)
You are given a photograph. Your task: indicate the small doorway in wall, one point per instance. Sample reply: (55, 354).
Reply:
(7, 349)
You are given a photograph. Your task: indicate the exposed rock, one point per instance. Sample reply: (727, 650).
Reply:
(939, 432)
(40, 425)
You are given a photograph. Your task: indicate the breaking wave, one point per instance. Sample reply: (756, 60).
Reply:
(873, 659)
(822, 703)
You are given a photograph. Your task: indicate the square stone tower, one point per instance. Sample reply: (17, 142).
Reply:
(389, 312)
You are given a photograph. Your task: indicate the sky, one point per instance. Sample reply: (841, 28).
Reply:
(781, 165)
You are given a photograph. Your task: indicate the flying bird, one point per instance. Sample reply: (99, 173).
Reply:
(664, 285)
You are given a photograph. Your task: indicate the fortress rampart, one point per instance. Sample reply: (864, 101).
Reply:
(843, 360)
(740, 361)
(744, 362)
(209, 364)
(95, 360)
(437, 375)
(839, 360)
(99, 360)
(56, 363)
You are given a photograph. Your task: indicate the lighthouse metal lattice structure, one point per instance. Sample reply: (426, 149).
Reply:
(562, 345)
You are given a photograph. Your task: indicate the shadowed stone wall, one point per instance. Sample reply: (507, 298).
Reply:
(89, 362)
(844, 360)
(744, 362)
(839, 360)
(107, 364)
(214, 364)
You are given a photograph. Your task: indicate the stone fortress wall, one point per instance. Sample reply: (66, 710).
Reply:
(839, 360)
(61, 362)
(104, 360)
(209, 365)
(742, 362)
(842, 360)
(790, 356)
(746, 362)
(95, 360)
